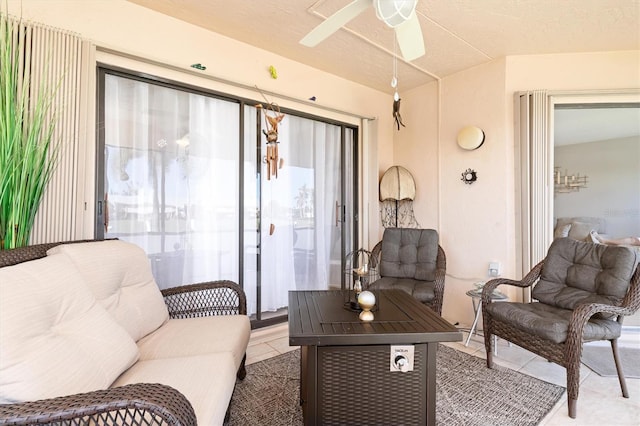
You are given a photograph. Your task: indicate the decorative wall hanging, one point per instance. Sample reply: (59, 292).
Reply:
(396, 114)
(469, 176)
(470, 138)
(273, 72)
(567, 183)
(394, 83)
(397, 192)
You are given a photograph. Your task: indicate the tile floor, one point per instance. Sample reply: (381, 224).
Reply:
(600, 401)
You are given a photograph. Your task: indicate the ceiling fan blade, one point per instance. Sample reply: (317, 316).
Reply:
(335, 21)
(410, 38)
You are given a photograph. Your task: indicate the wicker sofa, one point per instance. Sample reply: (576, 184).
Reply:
(86, 337)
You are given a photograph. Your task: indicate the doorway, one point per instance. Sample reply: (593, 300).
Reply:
(535, 127)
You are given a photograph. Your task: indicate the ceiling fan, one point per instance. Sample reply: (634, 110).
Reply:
(397, 14)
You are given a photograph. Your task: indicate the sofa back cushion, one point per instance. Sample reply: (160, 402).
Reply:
(119, 275)
(576, 272)
(55, 339)
(409, 253)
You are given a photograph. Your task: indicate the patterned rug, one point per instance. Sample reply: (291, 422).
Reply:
(468, 393)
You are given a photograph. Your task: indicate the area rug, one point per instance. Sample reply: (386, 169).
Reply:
(468, 393)
(600, 360)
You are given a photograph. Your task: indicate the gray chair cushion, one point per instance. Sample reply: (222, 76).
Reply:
(423, 291)
(409, 253)
(577, 272)
(550, 322)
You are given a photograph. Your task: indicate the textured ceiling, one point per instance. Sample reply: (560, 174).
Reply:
(458, 34)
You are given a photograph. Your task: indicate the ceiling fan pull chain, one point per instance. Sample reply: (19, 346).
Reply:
(394, 79)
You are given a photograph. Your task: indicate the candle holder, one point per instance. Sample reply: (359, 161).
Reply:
(358, 275)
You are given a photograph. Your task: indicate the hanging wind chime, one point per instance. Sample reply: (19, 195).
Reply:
(272, 160)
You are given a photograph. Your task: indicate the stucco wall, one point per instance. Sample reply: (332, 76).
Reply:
(477, 222)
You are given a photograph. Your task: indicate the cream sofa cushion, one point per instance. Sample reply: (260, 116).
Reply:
(197, 336)
(207, 381)
(55, 339)
(119, 275)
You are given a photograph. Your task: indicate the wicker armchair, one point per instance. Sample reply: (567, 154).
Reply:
(415, 263)
(583, 292)
(136, 404)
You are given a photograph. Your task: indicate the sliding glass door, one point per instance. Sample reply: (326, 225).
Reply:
(182, 175)
(170, 178)
(301, 236)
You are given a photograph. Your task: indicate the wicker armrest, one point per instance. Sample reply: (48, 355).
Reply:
(136, 404)
(375, 254)
(530, 279)
(205, 299)
(583, 313)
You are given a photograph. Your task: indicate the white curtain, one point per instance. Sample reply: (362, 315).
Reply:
(301, 204)
(172, 185)
(172, 179)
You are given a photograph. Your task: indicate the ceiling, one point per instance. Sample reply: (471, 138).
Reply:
(458, 34)
(582, 124)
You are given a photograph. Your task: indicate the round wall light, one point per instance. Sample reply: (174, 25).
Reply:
(470, 138)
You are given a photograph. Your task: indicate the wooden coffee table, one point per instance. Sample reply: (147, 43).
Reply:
(345, 363)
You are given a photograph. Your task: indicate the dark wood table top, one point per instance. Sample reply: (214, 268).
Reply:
(319, 318)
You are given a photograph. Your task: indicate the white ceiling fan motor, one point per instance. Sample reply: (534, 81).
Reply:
(394, 12)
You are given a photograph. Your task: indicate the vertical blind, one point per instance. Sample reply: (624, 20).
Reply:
(532, 131)
(60, 60)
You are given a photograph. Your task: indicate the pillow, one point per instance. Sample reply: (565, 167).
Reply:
(119, 275)
(55, 339)
(580, 230)
(575, 272)
(561, 231)
(409, 253)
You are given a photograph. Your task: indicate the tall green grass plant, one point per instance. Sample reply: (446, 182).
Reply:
(28, 154)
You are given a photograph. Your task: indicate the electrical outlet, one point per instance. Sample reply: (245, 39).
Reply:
(401, 358)
(494, 269)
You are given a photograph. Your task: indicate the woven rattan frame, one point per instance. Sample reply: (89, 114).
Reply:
(136, 404)
(132, 405)
(568, 353)
(441, 270)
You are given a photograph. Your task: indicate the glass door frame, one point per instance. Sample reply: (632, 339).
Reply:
(100, 206)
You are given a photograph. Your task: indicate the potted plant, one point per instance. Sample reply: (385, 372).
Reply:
(28, 153)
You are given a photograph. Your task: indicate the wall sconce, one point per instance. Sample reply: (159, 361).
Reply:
(567, 183)
(470, 138)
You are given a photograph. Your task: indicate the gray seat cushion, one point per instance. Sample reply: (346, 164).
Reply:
(576, 272)
(408, 262)
(423, 291)
(409, 253)
(550, 322)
